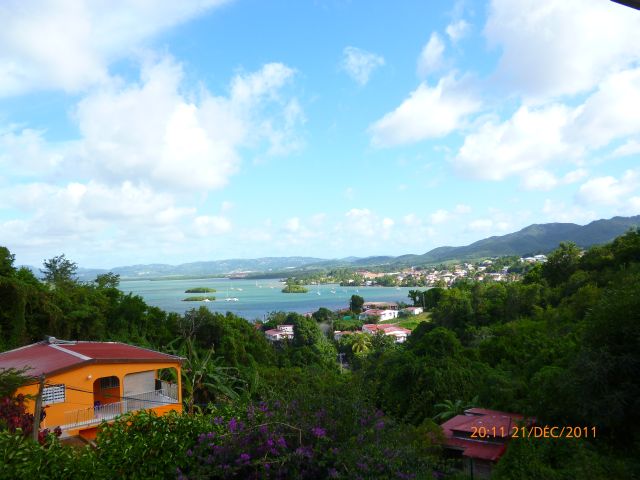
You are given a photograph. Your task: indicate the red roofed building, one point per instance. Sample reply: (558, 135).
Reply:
(86, 383)
(399, 333)
(281, 332)
(480, 436)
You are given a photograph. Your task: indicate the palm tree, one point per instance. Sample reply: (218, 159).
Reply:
(449, 409)
(203, 376)
(361, 343)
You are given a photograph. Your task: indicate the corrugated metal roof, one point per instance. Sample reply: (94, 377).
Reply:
(116, 351)
(46, 358)
(40, 358)
(490, 444)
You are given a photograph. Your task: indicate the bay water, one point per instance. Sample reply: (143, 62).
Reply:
(255, 298)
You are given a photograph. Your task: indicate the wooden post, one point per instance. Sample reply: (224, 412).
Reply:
(38, 410)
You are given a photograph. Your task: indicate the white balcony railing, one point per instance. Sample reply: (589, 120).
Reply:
(167, 395)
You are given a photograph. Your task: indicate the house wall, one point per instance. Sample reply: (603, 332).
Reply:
(82, 380)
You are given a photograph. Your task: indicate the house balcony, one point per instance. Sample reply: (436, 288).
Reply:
(167, 394)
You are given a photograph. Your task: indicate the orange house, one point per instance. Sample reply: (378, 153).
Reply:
(86, 383)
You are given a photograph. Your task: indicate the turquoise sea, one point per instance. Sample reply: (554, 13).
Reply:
(255, 298)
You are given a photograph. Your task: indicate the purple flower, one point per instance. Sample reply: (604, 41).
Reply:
(244, 458)
(189, 453)
(319, 432)
(233, 425)
(304, 452)
(380, 424)
(218, 420)
(333, 473)
(281, 442)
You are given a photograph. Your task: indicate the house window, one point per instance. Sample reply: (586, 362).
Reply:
(53, 394)
(109, 382)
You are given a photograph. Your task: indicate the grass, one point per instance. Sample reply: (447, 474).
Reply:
(410, 322)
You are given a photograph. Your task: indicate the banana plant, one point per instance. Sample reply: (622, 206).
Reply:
(203, 377)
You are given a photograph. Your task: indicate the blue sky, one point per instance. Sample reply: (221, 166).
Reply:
(168, 132)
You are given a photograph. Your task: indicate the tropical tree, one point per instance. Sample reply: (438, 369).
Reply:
(449, 409)
(59, 270)
(356, 303)
(204, 379)
(6, 262)
(361, 343)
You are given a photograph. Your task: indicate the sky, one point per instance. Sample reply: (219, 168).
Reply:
(168, 132)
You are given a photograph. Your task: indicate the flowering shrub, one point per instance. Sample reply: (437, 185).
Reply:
(281, 441)
(14, 417)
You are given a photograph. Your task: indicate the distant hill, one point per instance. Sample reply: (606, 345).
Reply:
(534, 239)
(206, 268)
(531, 240)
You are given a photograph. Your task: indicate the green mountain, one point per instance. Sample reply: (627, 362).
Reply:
(531, 240)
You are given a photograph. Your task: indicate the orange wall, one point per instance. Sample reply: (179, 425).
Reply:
(82, 378)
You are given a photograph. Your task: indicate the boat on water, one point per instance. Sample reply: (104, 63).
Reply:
(206, 300)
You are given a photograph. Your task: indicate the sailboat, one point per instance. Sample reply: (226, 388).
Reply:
(230, 299)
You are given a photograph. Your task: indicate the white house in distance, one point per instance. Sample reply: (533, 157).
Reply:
(379, 306)
(380, 314)
(412, 310)
(400, 334)
(279, 333)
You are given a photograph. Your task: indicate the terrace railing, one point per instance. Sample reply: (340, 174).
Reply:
(166, 395)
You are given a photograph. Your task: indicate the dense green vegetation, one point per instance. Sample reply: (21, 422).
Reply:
(199, 298)
(200, 290)
(294, 286)
(562, 345)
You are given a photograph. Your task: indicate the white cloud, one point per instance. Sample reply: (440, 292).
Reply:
(82, 210)
(622, 193)
(430, 59)
(539, 180)
(531, 138)
(537, 136)
(611, 112)
(427, 113)
(69, 45)
(411, 220)
(575, 176)
(360, 64)
(559, 211)
(25, 152)
(440, 216)
(208, 225)
(457, 30)
(561, 47)
(630, 147)
(146, 151)
(151, 132)
(462, 209)
(292, 225)
(481, 225)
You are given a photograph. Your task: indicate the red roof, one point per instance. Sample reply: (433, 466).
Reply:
(47, 358)
(485, 451)
(497, 426)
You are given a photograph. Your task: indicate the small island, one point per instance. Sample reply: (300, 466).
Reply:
(294, 289)
(200, 290)
(199, 299)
